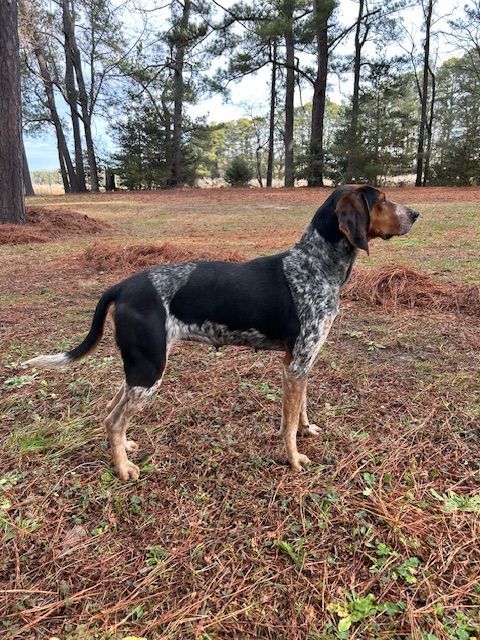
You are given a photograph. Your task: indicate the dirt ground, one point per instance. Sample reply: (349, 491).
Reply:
(378, 539)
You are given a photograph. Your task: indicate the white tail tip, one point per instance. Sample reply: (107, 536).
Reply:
(57, 360)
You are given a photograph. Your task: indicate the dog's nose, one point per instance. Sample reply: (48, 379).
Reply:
(414, 214)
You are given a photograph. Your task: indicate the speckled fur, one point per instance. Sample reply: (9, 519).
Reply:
(168, 278)
(315, 270)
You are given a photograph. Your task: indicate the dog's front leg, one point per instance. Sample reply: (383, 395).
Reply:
(306, 428)
(294, 388)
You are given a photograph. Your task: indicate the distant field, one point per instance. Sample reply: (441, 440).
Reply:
(48, 189)
(377, 540)
(446, 239)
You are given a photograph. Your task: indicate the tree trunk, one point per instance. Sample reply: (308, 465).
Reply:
(178, 87)
(429, 124)
(273, 101)
(352, 155)
(63, 172)
(424, 97)
(109, 180)
(168, 134)
(315, 178)
(82, 92)
(72, 98)
(289, 100)
(258, 165)
(12, 200)
(27, 178)
(70, 184)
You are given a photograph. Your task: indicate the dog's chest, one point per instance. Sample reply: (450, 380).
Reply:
(314, 288)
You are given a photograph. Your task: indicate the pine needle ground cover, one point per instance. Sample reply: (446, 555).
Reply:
(379, 538)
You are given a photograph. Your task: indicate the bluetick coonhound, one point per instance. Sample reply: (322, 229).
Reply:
(284, 302)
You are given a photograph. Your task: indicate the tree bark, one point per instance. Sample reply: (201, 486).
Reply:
(273, 101)
(83, 97)
(63, 172)
(424, 97)
(289, 98)
(66, 166)
(178, 90)
(352, 159)
(429, 125)
(321, 14)
(12, 200)
(109, 180)
(72, 98)
(27, 178)
(167, 123)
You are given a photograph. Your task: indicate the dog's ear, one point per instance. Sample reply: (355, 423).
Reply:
(354, 219)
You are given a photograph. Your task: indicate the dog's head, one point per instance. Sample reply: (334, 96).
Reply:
(364, 213)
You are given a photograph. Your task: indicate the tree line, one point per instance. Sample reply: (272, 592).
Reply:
(140, 69)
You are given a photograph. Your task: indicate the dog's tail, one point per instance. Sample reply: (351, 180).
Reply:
(89, 343)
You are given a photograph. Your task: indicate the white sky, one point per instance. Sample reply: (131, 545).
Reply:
(251, 93)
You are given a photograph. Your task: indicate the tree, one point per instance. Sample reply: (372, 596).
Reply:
(27, 178)
(271, 121)
(386, 126)
(271, 34)
(421, 177)
(457, 141)
(71, 94)
(238, 173)
(288, 8)
(322, 13)
(465, 35)
(87, 102)
(12, 201)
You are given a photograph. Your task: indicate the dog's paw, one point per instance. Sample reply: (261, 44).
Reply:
(301, 461)
(131, 446)
(129, 471)
(309, 430)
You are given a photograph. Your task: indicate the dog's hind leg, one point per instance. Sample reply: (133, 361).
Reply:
(130, 445)
(116, 426)
(116, 423)
(142, 343)
(116, 398)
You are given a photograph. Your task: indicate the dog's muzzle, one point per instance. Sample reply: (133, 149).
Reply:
(413, 214)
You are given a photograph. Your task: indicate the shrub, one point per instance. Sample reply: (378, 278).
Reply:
(238, 172)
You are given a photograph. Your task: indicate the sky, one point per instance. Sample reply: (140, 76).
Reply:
(252, 92)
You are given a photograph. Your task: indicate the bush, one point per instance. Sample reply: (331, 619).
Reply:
(238, 172)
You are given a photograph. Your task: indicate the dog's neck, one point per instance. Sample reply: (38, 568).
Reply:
(324, 243)
(334, 259)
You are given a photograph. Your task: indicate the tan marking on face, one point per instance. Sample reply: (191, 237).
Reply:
(387, 219)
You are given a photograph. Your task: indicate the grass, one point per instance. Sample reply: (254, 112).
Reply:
(377, 540)
(446, 239)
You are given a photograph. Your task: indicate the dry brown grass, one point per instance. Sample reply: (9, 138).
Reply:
(219, 540)
(46, 224)
(396, 286)
(134, 257)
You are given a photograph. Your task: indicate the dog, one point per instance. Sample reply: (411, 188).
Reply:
(285, 302)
